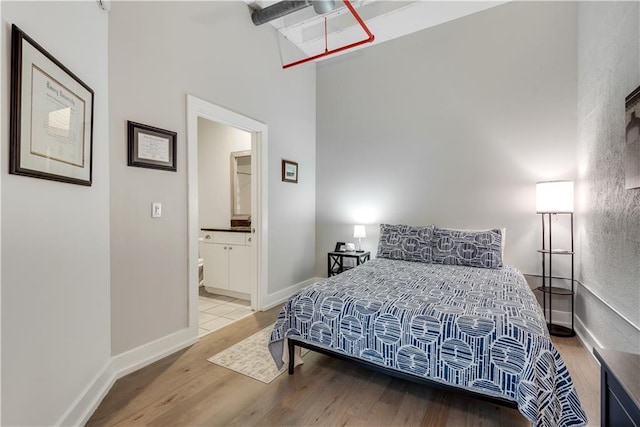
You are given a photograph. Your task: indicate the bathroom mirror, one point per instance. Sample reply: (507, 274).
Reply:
(241, 185)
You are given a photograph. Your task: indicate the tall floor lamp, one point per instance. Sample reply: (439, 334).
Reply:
(554, 198)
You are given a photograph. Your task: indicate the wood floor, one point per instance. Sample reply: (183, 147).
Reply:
(184, 389)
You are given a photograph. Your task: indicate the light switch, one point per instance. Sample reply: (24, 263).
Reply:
(156, 210)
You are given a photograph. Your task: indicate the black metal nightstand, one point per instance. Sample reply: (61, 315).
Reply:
(335, 261)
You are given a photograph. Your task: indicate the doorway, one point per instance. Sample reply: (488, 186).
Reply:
(201, 109)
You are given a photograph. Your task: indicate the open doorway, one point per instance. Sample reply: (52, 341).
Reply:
(227, 249)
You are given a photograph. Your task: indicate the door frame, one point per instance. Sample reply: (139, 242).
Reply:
(196, 108)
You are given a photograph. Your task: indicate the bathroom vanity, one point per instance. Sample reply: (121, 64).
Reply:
(226, 253)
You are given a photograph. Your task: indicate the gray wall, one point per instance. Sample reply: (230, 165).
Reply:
(213, 51)
(608, 215)
(215, 144)
(55, 237)
(452, 125)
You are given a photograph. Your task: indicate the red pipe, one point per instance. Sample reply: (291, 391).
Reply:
(369, 39)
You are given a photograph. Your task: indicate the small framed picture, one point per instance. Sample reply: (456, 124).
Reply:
(289, 171)
(151, 147)
(339, 247)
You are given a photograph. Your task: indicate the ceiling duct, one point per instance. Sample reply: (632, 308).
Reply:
(324, 6)
(283, 8)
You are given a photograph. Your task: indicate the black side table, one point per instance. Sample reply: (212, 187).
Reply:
(619, 388)
(335, 261)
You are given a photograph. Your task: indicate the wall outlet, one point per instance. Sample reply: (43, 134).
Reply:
(156, 210)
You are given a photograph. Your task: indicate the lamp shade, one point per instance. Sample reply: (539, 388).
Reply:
(359, 231)
(554, 196)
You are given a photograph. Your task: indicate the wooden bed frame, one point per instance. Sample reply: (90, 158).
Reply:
(292, 343)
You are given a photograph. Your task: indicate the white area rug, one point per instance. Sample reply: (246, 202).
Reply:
(251, 357)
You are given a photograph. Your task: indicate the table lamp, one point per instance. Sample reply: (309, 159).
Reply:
(358, 233)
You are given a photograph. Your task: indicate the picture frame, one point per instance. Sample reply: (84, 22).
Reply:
(632, 140)
(51, 119)
(151, 147)
(289, 171)
(339, 247)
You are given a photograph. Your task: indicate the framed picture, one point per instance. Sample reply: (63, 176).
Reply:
(289, 171)
(632, 144)
(151, 147)
(51, 123)
(339, 247)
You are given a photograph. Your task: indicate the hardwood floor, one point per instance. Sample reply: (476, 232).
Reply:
(184, 389)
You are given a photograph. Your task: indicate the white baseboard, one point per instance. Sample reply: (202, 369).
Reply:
(589, 341)
(82, 409)
(562, 318)
(281, 296)
(84, 406)
(144, 355)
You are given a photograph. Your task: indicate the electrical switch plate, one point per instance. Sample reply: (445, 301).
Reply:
(156, 210)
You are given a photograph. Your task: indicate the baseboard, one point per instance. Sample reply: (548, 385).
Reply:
(281, 296)
(80, 411)
(562, 318)
(121, 365)
(588, 340)
(144, 355)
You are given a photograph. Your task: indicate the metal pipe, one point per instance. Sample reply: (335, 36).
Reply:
(278, 10)
(283, 8)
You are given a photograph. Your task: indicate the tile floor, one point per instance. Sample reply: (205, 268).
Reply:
(216, 311)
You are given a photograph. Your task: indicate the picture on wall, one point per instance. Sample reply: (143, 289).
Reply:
(632, 145)
(289, 171)
(151, 147)
(51, 128)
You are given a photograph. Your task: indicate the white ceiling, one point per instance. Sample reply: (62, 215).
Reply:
(386, 19)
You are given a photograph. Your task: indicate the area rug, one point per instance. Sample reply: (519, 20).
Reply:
(251, 357)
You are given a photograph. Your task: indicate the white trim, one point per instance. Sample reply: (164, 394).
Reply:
(588, 340)
(196, 108)
(622, 316)
(562, 318)
(84, 406)
(139, 357)
(271, 300)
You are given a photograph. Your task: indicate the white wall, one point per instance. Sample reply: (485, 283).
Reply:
(2, 91)
(609, 215)
(55, 238)
(216, 142)
(452, 125)
(210, 50)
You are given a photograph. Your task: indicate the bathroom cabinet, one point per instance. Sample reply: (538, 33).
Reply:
(227, 263)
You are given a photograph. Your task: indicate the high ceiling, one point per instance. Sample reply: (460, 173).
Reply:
(386, 20)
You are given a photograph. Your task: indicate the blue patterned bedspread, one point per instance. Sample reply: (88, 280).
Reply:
(473, 328)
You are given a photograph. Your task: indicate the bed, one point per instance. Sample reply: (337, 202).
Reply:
(435, 308)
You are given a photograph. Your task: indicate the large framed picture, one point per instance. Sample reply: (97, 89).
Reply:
(289, 171)
(151, 147)
(51, 124)
(632, 145)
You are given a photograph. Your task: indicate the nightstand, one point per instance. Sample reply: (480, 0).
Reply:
(335, 261)
(619, 388)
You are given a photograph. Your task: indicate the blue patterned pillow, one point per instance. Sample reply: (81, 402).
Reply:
(405, 242)
(472, 248)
